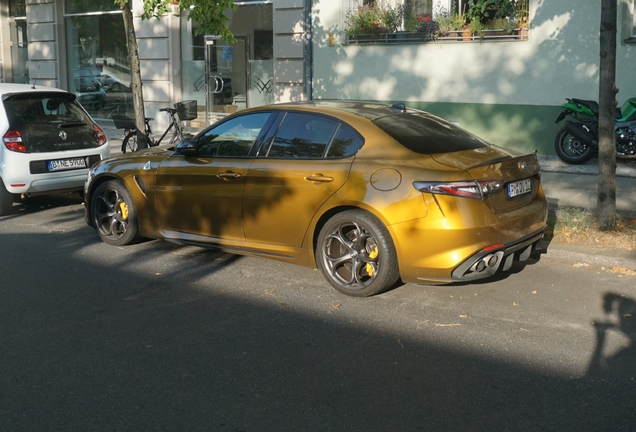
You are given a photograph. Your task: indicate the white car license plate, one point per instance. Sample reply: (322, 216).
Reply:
(519, 188)
(67, 164)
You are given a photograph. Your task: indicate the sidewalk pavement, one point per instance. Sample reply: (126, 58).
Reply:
(576, 186)
(564, 186)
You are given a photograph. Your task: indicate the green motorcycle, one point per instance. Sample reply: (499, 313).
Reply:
(577, 142)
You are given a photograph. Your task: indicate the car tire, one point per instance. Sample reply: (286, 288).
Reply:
(130, 143)
(6, 200)
(113, 214)
(356, 255)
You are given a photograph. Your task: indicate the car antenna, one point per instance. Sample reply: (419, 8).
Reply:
(36, 76)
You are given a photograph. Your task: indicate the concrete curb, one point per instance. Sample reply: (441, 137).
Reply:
(596, 260)
(624, 167)
(594, 257)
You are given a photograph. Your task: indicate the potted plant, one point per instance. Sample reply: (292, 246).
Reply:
(445, 26)
(373, 21)
(413, 12)
(522, 18)
(428, 28)
(410, 24)
(363, 22)
(487, 10)
(476, 29)
(451, 26)
(501, 28)
(392, 17)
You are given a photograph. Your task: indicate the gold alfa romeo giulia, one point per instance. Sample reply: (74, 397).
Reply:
(370, 194)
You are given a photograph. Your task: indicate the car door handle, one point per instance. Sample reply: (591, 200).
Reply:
(319, 178)
(229, 175)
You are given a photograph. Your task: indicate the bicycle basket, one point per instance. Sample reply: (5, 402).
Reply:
(187, 110)
(122, 121)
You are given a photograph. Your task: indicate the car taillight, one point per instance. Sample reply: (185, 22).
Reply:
(13, 141)
(467, 189)
(101, 136)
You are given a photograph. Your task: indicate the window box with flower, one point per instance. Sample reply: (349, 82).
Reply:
(372, 23)
(380, 23)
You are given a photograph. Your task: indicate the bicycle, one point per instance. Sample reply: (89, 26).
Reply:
(182, 111)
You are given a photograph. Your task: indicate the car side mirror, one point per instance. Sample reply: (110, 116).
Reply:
(186, 148)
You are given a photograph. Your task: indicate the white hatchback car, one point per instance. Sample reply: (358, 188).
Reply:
(48, 142)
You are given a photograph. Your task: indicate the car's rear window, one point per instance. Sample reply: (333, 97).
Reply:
(427, 134)
(50, 108)
(50, 121)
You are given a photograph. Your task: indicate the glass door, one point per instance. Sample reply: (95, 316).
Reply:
(227, 76)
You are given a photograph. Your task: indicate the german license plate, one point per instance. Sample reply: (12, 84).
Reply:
(519, 188)
(67, 164)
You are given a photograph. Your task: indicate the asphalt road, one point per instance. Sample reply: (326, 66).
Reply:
(163, 337)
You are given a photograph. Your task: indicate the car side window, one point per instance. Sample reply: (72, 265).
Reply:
(346, 143)
(302, 135)
(234, 137)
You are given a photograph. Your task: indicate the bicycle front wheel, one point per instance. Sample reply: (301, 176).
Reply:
(130, 143)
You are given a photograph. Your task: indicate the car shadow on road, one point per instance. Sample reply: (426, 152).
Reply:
(158, 336)
(38, 203)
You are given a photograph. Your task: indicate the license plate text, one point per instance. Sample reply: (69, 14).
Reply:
(519, 188)
(67, 164)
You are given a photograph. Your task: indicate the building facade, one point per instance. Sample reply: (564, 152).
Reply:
(79, 46)
(505, 89)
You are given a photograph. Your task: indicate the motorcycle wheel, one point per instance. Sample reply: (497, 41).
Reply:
(571, 150)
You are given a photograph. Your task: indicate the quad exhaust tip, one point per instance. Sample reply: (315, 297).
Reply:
(489, 263)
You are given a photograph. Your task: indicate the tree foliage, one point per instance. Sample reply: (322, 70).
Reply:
(209, 14)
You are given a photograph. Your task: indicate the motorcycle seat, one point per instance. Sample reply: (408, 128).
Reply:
(593, 105)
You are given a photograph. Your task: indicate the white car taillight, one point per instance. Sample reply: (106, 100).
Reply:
(13, 141)
(101, 136)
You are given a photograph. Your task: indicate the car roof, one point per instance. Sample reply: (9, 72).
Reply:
(369, 110)
(8, 89)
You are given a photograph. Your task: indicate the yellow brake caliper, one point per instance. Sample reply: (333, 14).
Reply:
(124, 210)
(373, 255)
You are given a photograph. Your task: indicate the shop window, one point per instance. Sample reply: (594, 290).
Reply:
(18, 37)
(98, 67)
(17, 8)
(252, 24)
(629, 24)
(83, 6)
